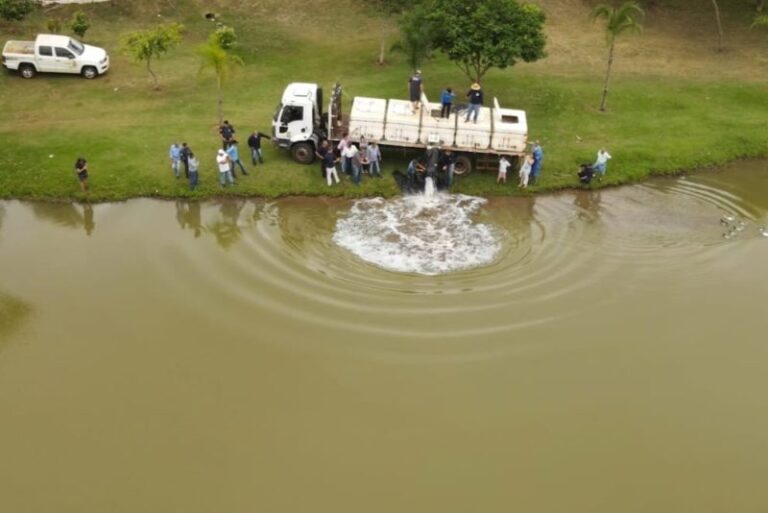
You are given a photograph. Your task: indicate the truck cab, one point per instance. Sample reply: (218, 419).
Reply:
(297, 124)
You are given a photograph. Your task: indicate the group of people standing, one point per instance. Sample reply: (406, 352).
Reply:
(227, 158)
(354, 161)
(474, 98)
(530, 167)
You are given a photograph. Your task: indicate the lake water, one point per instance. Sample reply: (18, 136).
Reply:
(596, 351)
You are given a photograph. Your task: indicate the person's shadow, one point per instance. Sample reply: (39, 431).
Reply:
(188, 216)
(88, 222)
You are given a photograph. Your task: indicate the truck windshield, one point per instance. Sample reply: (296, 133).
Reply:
(76, 46)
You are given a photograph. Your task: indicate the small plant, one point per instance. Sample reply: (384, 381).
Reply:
(53, 25)
(16, 10)
(225, 37)
(80, 24)
(146, 45)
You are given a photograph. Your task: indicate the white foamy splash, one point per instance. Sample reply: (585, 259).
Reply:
(419, 234)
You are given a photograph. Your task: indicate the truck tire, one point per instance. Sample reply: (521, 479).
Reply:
(89, 72)
(27, 71)
(303, 152)
(463, 165)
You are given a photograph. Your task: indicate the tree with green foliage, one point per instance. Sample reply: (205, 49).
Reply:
(482, 34)
(626, 18)
(80, 24)
(416, 35)
(225, 37)
(16, 10)
(145, 45)
(222, 62)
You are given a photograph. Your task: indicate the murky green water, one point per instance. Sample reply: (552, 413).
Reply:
(162, 357)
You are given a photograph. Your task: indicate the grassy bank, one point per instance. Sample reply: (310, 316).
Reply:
(661, 118)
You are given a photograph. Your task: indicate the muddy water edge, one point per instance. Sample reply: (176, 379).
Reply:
(231, 356)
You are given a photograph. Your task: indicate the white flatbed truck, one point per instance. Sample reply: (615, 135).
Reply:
(299, 125)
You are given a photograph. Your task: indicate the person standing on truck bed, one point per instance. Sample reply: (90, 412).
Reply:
(475, 96)
(254, 143)
(446, 99)
(415, 87)
(227, 131)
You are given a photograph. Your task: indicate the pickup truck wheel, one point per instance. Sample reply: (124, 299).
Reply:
(303, 152)
(463, 166)
(27, 71)
(90, 72)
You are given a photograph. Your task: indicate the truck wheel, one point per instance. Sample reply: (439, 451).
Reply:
(90, 72)
(303, 152)
(463, 165)
(27, 71)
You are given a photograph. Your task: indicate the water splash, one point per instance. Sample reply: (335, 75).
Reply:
(419, 234)
(429, 187)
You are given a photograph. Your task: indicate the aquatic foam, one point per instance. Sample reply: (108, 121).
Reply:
(421, 234)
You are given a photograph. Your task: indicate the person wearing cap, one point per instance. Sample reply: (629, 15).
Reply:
(225, 175)
(475, 96)
(415, 87)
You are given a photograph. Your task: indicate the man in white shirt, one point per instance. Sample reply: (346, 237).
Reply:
(225, 172)
(601, 164)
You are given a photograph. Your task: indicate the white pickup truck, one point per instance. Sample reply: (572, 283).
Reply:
(55, 54)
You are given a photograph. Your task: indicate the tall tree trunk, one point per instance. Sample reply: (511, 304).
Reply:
(382, 47)
(154, 77)
(219, 100)
(607, 76)
(719, 26)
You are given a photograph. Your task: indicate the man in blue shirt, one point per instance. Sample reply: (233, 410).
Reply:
(234, 156)
(538, 156)
(447, 100)
(175, 155)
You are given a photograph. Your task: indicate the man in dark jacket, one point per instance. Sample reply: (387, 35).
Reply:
(254, 143)
(475, 96)
(184, 154)
(227, 132)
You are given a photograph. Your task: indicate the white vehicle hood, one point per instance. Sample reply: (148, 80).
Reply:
(93, 53)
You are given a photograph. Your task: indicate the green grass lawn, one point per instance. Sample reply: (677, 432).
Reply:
(655, 124)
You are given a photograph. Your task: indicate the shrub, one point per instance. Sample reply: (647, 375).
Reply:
(80, 24)
(53, 25)
(16, 10)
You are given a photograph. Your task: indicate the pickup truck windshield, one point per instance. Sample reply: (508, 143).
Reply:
(76, 46)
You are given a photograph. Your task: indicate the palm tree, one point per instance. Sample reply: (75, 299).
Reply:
(223, 64)
(618, 20)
